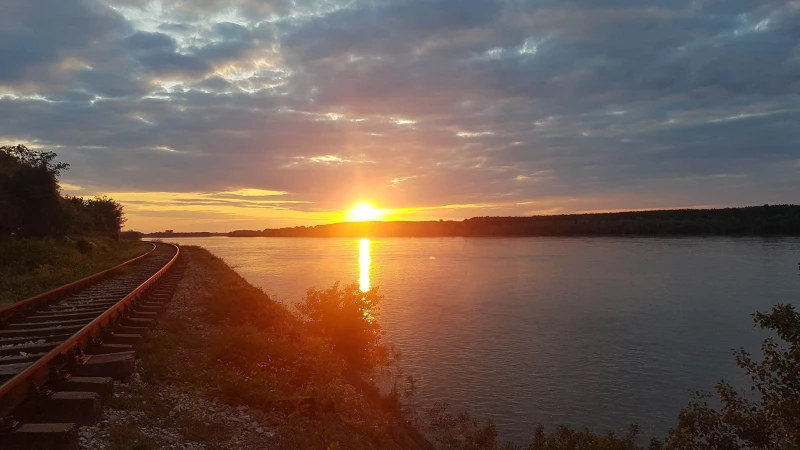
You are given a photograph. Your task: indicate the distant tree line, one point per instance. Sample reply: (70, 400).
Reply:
(31, 203)
(172, 234)
(758, 220)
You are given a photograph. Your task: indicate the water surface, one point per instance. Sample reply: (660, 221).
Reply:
(596, 332)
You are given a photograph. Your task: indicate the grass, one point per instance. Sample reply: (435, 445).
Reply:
(31, 266)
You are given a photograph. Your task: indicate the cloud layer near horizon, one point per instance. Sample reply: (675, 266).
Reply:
(454, 107)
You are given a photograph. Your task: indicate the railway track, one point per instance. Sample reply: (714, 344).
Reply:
(60, 350)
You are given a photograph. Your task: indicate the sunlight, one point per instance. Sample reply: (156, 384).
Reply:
(364, 212)
(364, 262)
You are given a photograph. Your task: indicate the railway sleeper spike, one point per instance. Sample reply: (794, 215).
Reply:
(9, 424)
(94, 343)
(59, 375)
(76, 356)
(37, 391)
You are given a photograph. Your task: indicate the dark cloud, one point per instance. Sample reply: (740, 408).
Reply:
(38, 33)
(568, 105)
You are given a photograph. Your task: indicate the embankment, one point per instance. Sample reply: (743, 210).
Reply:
(228, 367)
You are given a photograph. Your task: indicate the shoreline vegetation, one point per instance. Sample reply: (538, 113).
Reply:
(767, 220)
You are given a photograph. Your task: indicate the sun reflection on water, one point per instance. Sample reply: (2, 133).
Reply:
(363, 264)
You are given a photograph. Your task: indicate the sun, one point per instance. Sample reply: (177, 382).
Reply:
(364, 212)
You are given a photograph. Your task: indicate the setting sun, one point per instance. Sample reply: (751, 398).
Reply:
(364, 212)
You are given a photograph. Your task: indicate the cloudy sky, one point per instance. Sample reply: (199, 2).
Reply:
(226, 114)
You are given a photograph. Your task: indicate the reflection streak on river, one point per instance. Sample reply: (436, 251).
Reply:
(364, 261)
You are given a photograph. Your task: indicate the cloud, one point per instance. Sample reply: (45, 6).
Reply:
(572, 105)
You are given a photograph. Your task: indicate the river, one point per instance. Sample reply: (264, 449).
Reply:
(595, 332)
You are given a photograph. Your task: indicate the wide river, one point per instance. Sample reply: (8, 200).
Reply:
(596, 332)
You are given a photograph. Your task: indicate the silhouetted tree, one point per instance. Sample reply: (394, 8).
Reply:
(31, 203)
(29, 191)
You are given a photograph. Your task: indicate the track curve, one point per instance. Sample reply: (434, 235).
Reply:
(43, 337)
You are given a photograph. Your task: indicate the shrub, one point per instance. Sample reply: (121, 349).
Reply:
(461, 431)
(346, 317)
(85, 246)
(131, 235)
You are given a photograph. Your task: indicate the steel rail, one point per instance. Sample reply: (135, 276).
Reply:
(17, 389)
(33, 303)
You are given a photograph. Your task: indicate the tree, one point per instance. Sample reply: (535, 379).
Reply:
(24, 156)
(29, 191)
(33, 194)
(107, 214)
(768, 420)
(31, 204)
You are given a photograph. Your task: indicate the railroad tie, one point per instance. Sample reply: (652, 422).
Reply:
(48, 385)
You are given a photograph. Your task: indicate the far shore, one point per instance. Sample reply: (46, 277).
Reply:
(767, 220)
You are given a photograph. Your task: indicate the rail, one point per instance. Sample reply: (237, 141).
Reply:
(35, 302)
(17, 389)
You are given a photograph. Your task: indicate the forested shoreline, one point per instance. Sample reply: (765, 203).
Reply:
(752, 220)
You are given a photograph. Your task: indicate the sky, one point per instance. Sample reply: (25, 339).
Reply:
(243, 114)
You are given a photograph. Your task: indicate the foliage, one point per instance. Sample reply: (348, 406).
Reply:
(99, 215)
(31, 203)
(29, 192)
(461, 431)
(768, 420)
(85, 246)
(565, 438)
(33, 158)
(346, 317)
(131, 235)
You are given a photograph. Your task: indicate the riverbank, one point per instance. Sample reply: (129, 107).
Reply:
(230, 368)
(31, 266)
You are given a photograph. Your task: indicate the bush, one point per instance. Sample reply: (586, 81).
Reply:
(346, 317)
(85, 246)
(461, 431)
(769, 420)
(131, 235)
